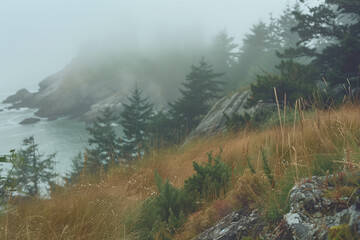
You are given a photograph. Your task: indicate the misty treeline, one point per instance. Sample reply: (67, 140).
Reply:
(143, 128)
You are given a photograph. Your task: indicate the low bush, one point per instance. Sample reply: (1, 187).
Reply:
(211, 180)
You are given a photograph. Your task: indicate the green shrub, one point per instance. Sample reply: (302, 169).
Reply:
(342, 232)
(211, 179)
(162, 216)
(236, 121)
(266, 168)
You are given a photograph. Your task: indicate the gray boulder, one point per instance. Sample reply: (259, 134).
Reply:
(313, 213)
(19, 96)
(234, 226)
(214, 121)
(29, 121)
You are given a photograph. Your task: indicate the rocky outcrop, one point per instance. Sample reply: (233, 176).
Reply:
(62, 95)
(214, 121)
(234, 226)
(315, 213)
(30, 121)
(20, 96)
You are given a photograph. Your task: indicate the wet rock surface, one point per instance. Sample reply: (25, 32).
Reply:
(30, 121)
(314, 213)
(214, 121)
(234, 226)
(20, 96)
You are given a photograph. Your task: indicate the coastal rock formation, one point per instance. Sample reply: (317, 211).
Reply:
(19, 96)
(62, 95)
(320, 207)
(30, 121)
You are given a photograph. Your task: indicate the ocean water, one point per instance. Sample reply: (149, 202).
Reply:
(65, 137)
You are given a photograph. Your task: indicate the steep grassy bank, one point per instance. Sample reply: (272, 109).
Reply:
(264, 166)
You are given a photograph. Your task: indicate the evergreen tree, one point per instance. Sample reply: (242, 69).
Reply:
(338, 22)
(201, 87)
(291, 77)
(105, 144)
(283, 25)
(224, 55)
(77, 169)
(294, 80)
(257, 54)
(35, 170)
(135, 122)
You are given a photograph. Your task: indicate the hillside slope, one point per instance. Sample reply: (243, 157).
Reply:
(264, 166)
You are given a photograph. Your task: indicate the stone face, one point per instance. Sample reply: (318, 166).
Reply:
(214, 121)
(21, 95)
(234, 226)
(29, 121)
(312, 214)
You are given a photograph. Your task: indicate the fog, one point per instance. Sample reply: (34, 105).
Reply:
(40, 37)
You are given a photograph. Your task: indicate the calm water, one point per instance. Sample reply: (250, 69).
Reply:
(63, 136)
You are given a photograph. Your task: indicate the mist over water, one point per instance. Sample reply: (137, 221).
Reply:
(63, 136)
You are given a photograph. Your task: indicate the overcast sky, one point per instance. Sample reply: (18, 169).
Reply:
(40, 37)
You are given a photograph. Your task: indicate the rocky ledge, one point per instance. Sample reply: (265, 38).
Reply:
(30, 121)
(236, 103)
(319, 209)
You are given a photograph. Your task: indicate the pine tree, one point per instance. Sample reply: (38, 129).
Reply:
(135, 120)
(257, 53)
(77, 169)
(224, 55)
(106, 148)
(338, 22)
(35, 169)
(201, 86)
(283, 26)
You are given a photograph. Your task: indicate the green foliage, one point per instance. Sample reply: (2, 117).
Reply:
(250, 165)
(335, 26)
(343, 231)
(211, 179)
(135, 122)
(223, 54)
(164, 131)
(278, 199)
(106, 148)
(260, 117)
(7, 181)
(162, 216)
(266, 168)
(324, 164)
(200, 88)
(76, 169)
(35, 169)
(236, 121)
(294, 80)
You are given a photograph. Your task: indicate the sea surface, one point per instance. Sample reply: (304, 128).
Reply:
(65, 137)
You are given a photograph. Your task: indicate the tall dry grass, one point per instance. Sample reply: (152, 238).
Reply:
(101, 208)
